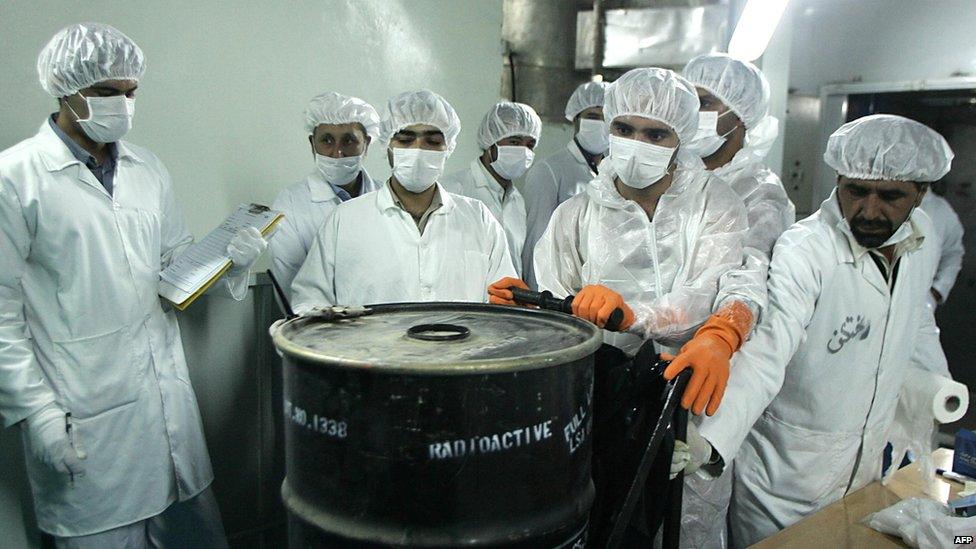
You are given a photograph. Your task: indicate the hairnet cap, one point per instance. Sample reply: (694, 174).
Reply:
(420, 107)
(738, 84)
(507, 119)
(87, 53)
(335, 108)
(658, 94)
(885, 146)
(590, 94)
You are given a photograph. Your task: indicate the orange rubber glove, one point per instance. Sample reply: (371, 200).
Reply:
(499, 293)
(708, 355)
(596, 302)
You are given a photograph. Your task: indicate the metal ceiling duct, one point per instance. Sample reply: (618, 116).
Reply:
(541, 59)
(661, 37)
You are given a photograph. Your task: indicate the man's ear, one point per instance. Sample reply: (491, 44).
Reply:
(923, 188)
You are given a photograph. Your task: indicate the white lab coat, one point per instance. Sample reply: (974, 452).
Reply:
(508, 207)
(813, 392)
(948, 233)
(667, 269)
(370, 251)
(548, 183)
(305, 204)
(79, 272)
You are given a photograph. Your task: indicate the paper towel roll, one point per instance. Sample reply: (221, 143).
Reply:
(935, 396)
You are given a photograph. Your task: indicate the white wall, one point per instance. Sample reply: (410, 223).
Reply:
(227, 82)
(880, 41)
(222, 103)
(775, 64)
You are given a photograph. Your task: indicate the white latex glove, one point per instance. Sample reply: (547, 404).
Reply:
(48, 441)
(679, 459)
(244, 249)
(690, 456)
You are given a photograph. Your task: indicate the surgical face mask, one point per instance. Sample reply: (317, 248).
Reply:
(707, 140)
(109, 118)
(593, 136)
(512, 161)
(639, 165)
(418, 169)
(339, 171)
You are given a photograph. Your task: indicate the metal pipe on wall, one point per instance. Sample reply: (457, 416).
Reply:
(599, 37)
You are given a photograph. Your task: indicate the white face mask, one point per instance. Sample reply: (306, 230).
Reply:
(417, 169)
(109, 118)
(707, 140)
(593, 136)
(339, 171)
(639, 165)
(513, 161)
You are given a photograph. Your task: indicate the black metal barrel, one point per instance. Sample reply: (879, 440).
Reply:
(438, 425)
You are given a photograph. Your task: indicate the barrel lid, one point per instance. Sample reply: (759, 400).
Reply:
(441, 338)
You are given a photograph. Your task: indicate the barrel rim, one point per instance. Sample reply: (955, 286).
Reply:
(467, 367)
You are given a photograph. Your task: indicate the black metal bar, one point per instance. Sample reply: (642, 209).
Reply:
(675, 388)
(545, 300)
(282, 298)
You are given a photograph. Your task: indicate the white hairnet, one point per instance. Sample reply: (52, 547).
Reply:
(738, 84)
(658, 94)
(420, 107)
(335, 108)
(885, 146)
(506, 119)
(590, 94)
(87, 53)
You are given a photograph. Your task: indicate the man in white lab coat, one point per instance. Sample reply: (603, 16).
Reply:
(114, 444)
(735, 133)
(560, 176)
(411, 240)
(813, 392)
(340, 129)
(949, 233)
(507, 136)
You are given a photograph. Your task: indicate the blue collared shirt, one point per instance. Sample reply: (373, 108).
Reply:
(105, 172)
(341, 193)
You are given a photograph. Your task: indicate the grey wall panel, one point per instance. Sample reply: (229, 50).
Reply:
(236, 375)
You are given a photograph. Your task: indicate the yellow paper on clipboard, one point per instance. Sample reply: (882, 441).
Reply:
(204, 262)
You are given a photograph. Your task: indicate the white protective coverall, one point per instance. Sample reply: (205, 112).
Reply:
(305, 204)
(667, 268)
(821, 375)
(770, 213)
(370, 250)
(79, 272)
(948, 233)
(507, 206)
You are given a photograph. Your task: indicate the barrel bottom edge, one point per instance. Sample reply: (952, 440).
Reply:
(312, 527)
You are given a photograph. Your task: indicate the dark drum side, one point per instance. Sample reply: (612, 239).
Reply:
(438, 425)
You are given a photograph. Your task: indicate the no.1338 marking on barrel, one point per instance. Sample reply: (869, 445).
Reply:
(313, 422)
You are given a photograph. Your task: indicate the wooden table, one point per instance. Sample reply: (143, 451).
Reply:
(838, 524)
